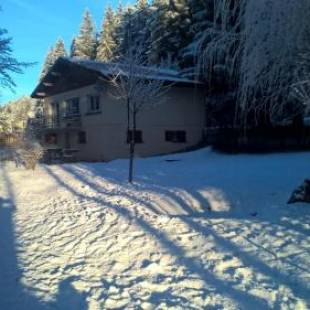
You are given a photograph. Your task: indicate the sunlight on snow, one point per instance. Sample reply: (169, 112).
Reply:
(95, 240)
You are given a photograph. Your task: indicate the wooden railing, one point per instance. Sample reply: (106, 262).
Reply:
(73, 121)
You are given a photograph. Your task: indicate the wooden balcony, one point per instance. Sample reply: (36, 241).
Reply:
(68, 122)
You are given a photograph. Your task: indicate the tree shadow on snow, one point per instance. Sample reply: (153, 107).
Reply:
(68, 297)
(13, 294)
(191, 217)
(193, 265)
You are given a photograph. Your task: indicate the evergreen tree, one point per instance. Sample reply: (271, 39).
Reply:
(49, 61)
(201, 17)
(125, 32)
(119, 15)
(8, 64)
(85, 43)
(169, 30)
(132, 31)
(107, 40)
(60, 50)
(52, 55)
(73, 48)
(141, 27)
(158, 25)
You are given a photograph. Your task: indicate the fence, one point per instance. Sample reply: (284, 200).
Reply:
(9, 139)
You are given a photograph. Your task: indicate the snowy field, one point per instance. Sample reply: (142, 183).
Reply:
(206, 231)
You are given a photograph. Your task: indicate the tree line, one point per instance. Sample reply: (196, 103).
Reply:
(163, 32)
(253, 55)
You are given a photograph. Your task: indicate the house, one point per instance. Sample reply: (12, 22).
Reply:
(84, 121)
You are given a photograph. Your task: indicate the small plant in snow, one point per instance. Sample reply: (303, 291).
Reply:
(28, 154)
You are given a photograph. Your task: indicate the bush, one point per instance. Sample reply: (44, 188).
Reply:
(28, 154)
(22, 150)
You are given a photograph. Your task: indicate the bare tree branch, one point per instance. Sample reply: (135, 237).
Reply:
(139, 87)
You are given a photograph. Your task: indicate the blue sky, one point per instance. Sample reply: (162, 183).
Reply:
(36, 24)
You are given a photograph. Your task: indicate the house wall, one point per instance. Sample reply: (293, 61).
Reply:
(182, 109)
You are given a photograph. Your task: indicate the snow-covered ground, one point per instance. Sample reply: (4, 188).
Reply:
(206, 231)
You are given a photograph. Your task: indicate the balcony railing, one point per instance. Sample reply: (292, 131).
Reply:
(70, 116)
(50, 122)
(68, 122)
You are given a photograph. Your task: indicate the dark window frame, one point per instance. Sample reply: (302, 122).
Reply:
(82, 137)
(176, 136)
(94, 104)
(72, 107)
(138, 136)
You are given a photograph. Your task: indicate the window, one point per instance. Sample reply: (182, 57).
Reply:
(137, 137)
(175, 136)
(55, 107)
(82, 137)
(51, 138)
(73, 107)
(93, 104)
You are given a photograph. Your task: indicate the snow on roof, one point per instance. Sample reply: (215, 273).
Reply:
(108, 69)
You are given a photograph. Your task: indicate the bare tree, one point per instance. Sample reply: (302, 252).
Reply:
(139, 87)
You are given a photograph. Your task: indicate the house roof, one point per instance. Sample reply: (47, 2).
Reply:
(72, 73)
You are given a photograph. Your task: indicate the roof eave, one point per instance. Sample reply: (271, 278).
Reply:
(40, 90)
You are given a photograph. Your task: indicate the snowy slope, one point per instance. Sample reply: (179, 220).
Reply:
(206, 231)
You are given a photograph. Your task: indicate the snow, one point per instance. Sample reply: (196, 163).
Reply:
(107, 69)
(200, 231)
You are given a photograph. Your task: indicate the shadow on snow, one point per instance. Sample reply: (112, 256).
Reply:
(13, 294)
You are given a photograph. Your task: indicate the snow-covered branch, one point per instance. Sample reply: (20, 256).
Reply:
(258, 42)
(137, 84)
(139, 87)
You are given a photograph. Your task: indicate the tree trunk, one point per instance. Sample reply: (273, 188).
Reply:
(132, 147)
(131, 158)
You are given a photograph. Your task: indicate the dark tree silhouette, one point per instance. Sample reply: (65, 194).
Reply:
(8, 64)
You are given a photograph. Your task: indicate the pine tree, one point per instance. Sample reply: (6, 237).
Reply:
(125, 32)
(118, 28)
(8, 64)
(49, 61)
(60, 50)
(169, 29)
(132, 31)
(107, 40)
(141, 27)
(158, 26)
(85, 43)
(201, 17)
(52, 55)
(73, 48)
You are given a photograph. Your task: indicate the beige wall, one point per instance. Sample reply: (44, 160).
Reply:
(183, 109)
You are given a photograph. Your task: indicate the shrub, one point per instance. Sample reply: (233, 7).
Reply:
(28, 154)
